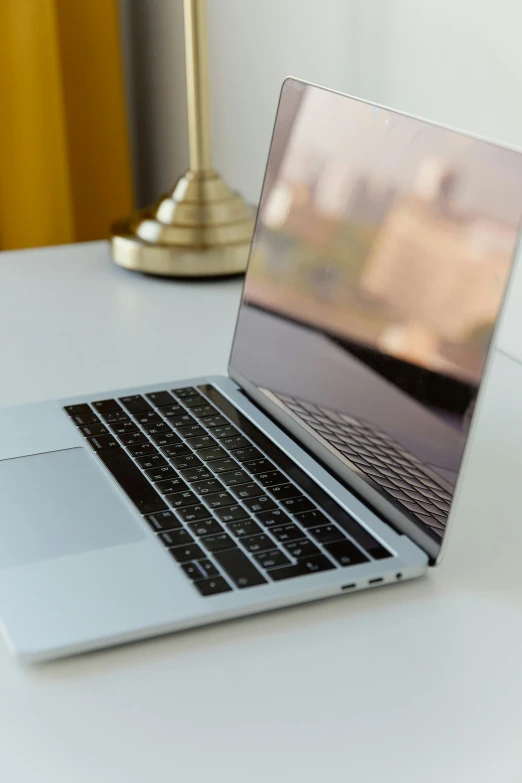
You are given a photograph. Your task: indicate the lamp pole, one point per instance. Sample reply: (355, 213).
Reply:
(202, 228)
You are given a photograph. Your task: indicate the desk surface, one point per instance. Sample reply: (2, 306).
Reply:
(419, 681)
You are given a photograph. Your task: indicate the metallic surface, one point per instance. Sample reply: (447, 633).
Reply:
(202, 228)
(108, 596)
(198, 94)
(69, 499)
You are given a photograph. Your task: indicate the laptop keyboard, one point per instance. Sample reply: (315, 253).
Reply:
(381, 458)
(227, 509)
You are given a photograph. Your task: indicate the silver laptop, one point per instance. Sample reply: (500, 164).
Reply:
(327, 459)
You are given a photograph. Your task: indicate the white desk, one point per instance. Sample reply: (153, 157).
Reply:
(417, 682)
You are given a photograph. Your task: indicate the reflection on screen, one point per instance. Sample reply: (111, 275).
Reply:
(378, 266)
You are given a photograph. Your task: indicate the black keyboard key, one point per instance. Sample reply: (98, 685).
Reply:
(312, 518)
(284, 491)
(177, 450)
(231, 514)
(147, 417)
(85, 418)
(273, 517)
(183, 392)
(184, 553)
(250, 453)
(203, 410)
(250, 490)
(245, 528)
(160, 398)
(156, 427)
(151, 461)
(193, 513)
(233, 477)
(196, 474)
(296, 505)
(113, 416)
(168, 486)
(165, 439)
(361, 536)
(272, 558)
(218, 542)
(78, 410)
(179, 537)
(179, 500)
(186, 461)
(239, 568)
(202, 442)
(192, 571)
(100, 442)
(271, 479)
(161, 472)
(143, 450)
(224, 465)
(212, 586)
(208, 568)
(216, 420)
(131, 480)
(257, 543)
(234, 442)
(172, 410)
(121, 427)
(180, 419)
(263, 503)
(310, 565)
(190, 430)
(207, 486)
(207, 455)
(285, 533)
(326, 534)
(93, 429)
(261, 465)
(135, 403)
(132, 438)
(302, 548)
(194, 401)
(106, 406)
(225, 431)
(207, 527)
(346, 553)
(163, 520)
(219, 500)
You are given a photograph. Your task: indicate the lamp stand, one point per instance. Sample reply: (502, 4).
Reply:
(201, 228)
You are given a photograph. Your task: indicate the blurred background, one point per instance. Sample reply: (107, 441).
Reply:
(93, 117)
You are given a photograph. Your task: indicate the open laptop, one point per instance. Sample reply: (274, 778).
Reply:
(326, 461)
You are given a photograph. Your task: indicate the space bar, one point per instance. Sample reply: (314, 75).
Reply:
(131, 480)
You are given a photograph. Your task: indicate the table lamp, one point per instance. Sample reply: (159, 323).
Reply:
(201, 228)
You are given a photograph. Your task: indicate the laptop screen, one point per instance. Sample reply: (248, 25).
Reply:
(378, 265)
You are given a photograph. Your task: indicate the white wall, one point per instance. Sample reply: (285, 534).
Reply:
(455, 61)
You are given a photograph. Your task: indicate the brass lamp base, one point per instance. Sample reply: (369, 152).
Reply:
(201, 229)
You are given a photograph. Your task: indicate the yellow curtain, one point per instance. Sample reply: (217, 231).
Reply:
(65, 171)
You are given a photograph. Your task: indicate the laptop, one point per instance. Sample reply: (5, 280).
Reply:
(326, 461)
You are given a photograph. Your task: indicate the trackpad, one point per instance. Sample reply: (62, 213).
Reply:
(58, 504)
